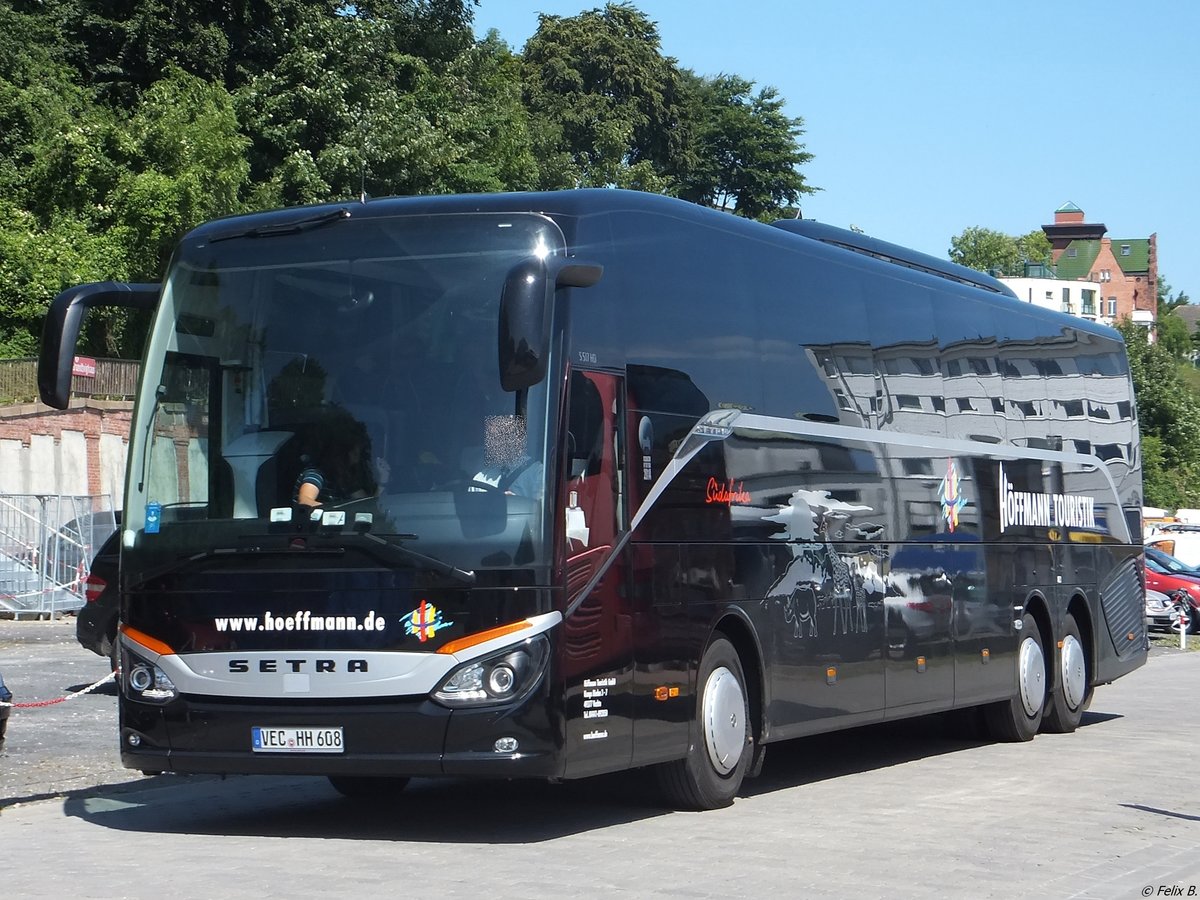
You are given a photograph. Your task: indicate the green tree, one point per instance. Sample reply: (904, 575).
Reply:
(985, 250)
(1171, 331)
(105, 196)
(747, 151)
(606, 103)
(1172, 335)
(121, 47)
(349, 108)
(1034, 248)
(1169, 419)
(993, 251)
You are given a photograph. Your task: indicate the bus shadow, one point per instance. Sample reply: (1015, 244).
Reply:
(453, 811)
(428, 810)
(821, 757)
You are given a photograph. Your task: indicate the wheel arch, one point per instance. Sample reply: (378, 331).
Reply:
(1078, 609)
(1038, 607)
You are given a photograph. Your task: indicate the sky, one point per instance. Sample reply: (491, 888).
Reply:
(929, 117)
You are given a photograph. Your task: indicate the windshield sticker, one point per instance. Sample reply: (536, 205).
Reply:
(1035, 509)
(424, 621)
(646, 442)
(950, 493)
(153, 517)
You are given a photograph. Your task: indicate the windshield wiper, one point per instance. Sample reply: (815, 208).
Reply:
(370, 541)
(336, 547)
(179, 565)
(295, 226)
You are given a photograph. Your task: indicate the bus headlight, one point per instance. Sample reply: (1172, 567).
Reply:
(145, 681)
(503, 677)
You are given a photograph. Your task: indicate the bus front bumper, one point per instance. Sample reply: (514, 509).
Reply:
(404, 738)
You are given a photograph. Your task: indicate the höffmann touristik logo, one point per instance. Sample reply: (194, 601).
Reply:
(1032, 508)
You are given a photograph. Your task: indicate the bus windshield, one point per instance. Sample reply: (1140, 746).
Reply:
(350, 366)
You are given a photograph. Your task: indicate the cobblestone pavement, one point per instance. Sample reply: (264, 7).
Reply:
(70, 746)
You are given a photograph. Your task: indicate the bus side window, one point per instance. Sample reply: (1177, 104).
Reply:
(585, 428)
(591, 468)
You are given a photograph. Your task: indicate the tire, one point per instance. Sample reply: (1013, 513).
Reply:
(722, 743)
(366, 787)
(1072, 689)
(1018, 718)
(114, 652)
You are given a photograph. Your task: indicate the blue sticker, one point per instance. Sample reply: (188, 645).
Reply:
(153, 516)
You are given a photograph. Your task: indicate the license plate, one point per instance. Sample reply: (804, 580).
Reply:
(296, 740)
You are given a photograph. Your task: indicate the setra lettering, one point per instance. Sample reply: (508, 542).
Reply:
(320, 666)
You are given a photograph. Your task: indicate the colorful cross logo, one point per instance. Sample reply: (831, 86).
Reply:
(950, 493)
(424, 621)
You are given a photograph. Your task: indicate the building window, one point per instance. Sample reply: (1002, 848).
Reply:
(1105, 275)
(998, 405)
(1072, 252)
(1124, 249)
(908, 401)
(1089, 302)
(965, 404)
(1073, 408)
(917, 466)
(1112, 307)
(939, 403)
(1066, 300)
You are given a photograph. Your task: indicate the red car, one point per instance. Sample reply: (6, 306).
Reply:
(1165, 574)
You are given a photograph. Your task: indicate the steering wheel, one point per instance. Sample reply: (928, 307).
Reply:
(468, 483)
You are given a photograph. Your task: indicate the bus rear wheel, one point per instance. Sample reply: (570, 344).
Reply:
(366, 787)
(721, 747)
(1018, 718)
(1070, 696)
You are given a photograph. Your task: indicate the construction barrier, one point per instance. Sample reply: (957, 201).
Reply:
(47, 542)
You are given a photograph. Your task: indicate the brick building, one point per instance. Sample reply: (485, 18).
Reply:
(1126, 269)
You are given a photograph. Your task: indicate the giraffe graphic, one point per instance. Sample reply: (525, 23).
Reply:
(816, 571)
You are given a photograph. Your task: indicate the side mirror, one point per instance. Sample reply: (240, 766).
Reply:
(60, 332)
(526, 303)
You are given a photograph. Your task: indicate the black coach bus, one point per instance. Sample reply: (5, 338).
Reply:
(550, 485)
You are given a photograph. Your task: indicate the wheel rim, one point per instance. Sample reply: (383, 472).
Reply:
(724, 720)
(1074, 671)
(1033, 677)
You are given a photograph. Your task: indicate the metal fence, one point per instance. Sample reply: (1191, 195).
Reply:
(47, 543)
(114, 379)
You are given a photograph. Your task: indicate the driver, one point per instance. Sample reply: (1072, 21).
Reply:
(337, 467)
(507, 465)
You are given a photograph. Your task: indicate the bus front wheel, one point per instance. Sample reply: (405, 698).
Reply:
(1018, 718)
(721, 745)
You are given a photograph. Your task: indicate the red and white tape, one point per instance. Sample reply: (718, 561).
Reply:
(40, 703)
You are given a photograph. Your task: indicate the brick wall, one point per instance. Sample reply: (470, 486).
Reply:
(80, 450)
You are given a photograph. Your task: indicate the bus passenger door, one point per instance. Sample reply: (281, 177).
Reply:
(596, 654)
